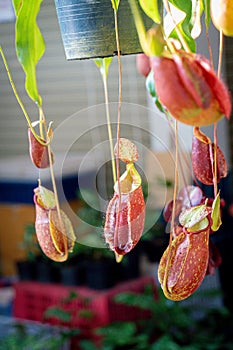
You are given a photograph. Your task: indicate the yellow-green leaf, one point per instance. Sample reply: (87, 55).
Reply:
(115, 4)
(206, 5)
(155, 40)
(17, 6)
(216, 214)
(103, 65)
(150, 7)
(30, 44)
(185, 25)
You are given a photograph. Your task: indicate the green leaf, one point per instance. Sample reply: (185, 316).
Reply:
(186, 25)
(70, 297)
(150, 85)
(155, 40)
(17, 4)
(206, 4)
(150, 7)
(86, 314)
(59, 313)
(30, 44)
(115, 4)
(103, 65)
(141, 30)
(216, 214)
(165, 342)
(111, 332)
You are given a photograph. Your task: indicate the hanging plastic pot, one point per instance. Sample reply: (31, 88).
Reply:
(88, 29)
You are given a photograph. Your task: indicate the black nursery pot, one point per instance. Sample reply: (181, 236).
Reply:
(72, 275)
(26, 270)
(100, 274)
(88, 28)
(47, 272)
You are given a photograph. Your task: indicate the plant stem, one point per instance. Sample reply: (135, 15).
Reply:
(19, 100)
(42, 121)
(62, 227)
(214, 154)
(215, 161)
(221, 41)
(42, 124)
(109, 126)
(118, 123)
(209, 48)
(176, 176)
(165, 280)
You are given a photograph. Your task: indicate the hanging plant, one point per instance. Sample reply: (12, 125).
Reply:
(184, 86)
(52, 225)
(186, 89)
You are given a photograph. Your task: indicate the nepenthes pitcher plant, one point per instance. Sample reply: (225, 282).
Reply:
(186, 88)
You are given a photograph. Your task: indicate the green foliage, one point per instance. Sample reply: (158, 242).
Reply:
(30, 244)
(206, 4)
(115, 4)
(164, 312)
(172, 326)
(216, 213)
(103, 65)
(70, 297)
(88, 215)
(58, 313)
(30, 44)
(150, 85)
(187, 24)
(150, 7)
(21, 339)
(64, 313)
(126, 330)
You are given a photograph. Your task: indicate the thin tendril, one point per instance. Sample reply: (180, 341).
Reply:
(165, 280)
(220, 53)
(214, 156)
(62, 227)
(109, 127)
(19, 100)
(183, 157)
(42, 122)
(118, 123)
(209, 48)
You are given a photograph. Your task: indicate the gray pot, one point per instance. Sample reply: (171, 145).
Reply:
(87, 28)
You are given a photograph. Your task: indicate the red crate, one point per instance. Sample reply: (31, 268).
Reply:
(121, 312)
(32, 299)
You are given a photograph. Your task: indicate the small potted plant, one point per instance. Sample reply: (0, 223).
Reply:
(26, 268)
